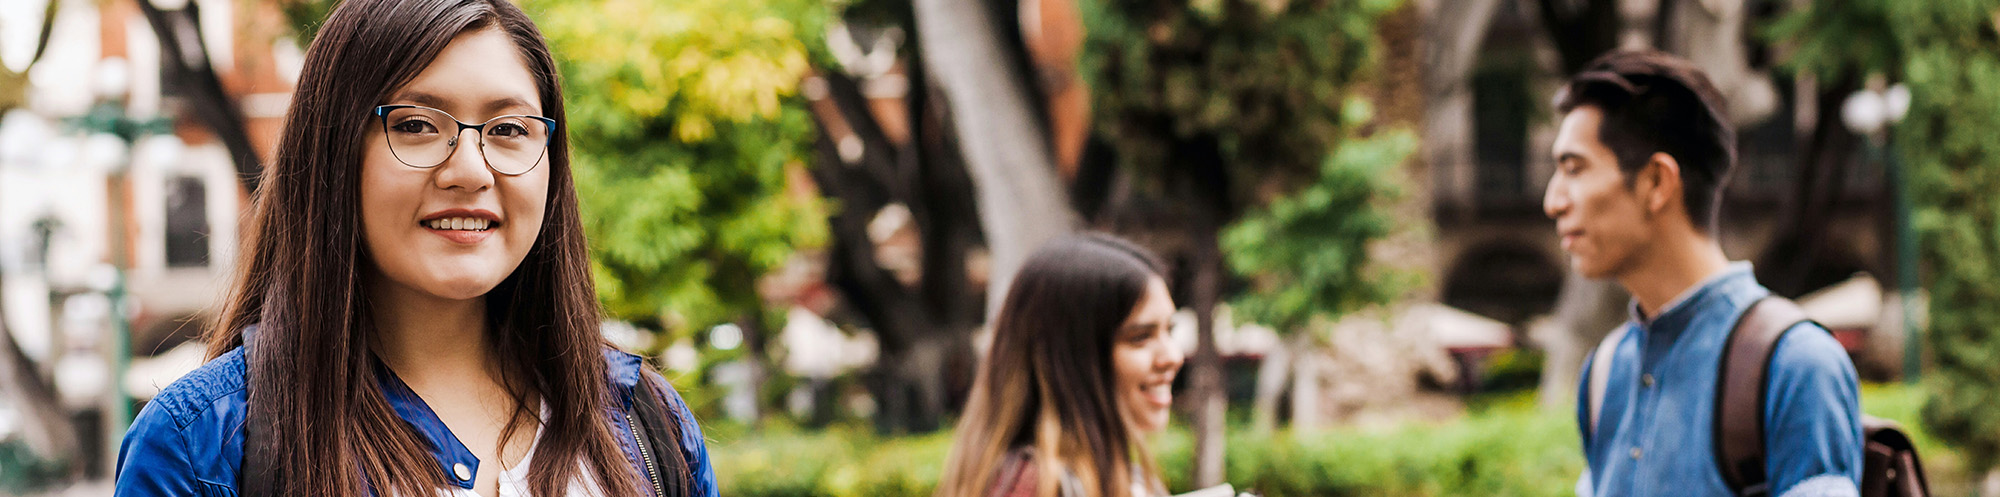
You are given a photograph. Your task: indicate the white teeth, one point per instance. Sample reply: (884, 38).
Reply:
(459, 223)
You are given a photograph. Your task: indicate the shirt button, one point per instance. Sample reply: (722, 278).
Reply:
(1647, 380)
(465, 473)
(1635, 453)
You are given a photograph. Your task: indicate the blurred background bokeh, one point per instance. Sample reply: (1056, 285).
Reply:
(804, 210)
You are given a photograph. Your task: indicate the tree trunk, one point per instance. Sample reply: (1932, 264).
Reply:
(1021, 202)
(1581, 33)
(1205, 385)
(759, 360)
(195, 80)
(50, 433)
(1274, 377)
(921, 329)
(1586, 310)
(1201, 176)
(1824, 160)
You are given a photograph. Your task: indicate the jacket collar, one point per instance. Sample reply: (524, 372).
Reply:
(623, 369)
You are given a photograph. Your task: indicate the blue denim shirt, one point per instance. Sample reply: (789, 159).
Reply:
(189, 439)
(1654, 433)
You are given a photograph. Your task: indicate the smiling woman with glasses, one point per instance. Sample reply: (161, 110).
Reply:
(414, 313)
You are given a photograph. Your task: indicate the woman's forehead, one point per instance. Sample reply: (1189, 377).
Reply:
(480, 73)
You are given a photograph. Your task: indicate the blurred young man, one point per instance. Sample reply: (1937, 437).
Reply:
(1642, 156)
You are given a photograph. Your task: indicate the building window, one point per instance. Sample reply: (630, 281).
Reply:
(187, 222)
(1502, 106)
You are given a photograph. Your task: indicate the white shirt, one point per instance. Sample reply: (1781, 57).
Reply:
(514, 480)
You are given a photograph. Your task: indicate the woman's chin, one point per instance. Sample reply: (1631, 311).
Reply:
(465, 288)
(1151, 424)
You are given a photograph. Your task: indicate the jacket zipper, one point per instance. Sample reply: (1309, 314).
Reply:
(652, 473)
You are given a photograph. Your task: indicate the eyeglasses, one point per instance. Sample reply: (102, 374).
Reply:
(512, 145)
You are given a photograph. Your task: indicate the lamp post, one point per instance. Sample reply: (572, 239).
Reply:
(110, 116)
(1870, 113)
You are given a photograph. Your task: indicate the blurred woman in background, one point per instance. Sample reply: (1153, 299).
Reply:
(1080, 371)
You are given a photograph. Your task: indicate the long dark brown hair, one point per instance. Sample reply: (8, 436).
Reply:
(317, 414)
(1048, 380)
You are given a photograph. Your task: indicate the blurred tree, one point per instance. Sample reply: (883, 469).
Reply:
(888, 147)
(1585, 29)
(1839, 44)
(1310, 258)
(1210, 101)
(975, 55)
(685, 118)
(187, 73)
(1306, 255)
(1950, 141)
(1948, 55)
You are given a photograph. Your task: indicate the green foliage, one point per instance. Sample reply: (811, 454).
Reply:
(1306, 254)
(1268, 83)
(1512, 370)
(21, 472)
(1951, 146)
(305, 17)
(684, 118)
(1506, 446)
(1948, 54)
(1832, 38)
(846, 461)
(1266, 79)
(1513, 449)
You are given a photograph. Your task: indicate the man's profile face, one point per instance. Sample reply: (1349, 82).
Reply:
(1603, 223)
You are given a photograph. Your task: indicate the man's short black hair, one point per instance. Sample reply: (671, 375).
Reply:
(1656, 102)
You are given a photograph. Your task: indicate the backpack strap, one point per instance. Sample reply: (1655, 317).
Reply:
(656, 422)
(259, 475)
(1600, 373)
(1741, 388)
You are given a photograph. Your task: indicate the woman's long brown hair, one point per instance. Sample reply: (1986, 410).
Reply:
(316, 411)
(1048, 380)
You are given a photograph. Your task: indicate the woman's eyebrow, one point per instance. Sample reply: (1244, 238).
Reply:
(1143, 326)
(494, 106)
(510, 104)
(420, 97)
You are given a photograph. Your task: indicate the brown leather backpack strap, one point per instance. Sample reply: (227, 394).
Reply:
(1889, 463)
(1740, 391)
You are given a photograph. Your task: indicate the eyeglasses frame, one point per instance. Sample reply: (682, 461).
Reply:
(382, 113)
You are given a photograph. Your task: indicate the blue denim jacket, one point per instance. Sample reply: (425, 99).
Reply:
(189, 439)
(1654, 433)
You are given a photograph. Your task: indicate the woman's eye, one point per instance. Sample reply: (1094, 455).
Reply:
(414, 126)
(508, 130)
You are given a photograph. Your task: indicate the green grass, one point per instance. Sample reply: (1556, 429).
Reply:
(1504, 446)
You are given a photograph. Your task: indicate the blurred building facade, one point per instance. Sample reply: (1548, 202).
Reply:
(110, 186)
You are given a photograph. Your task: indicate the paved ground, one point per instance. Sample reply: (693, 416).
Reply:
(84, 489)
